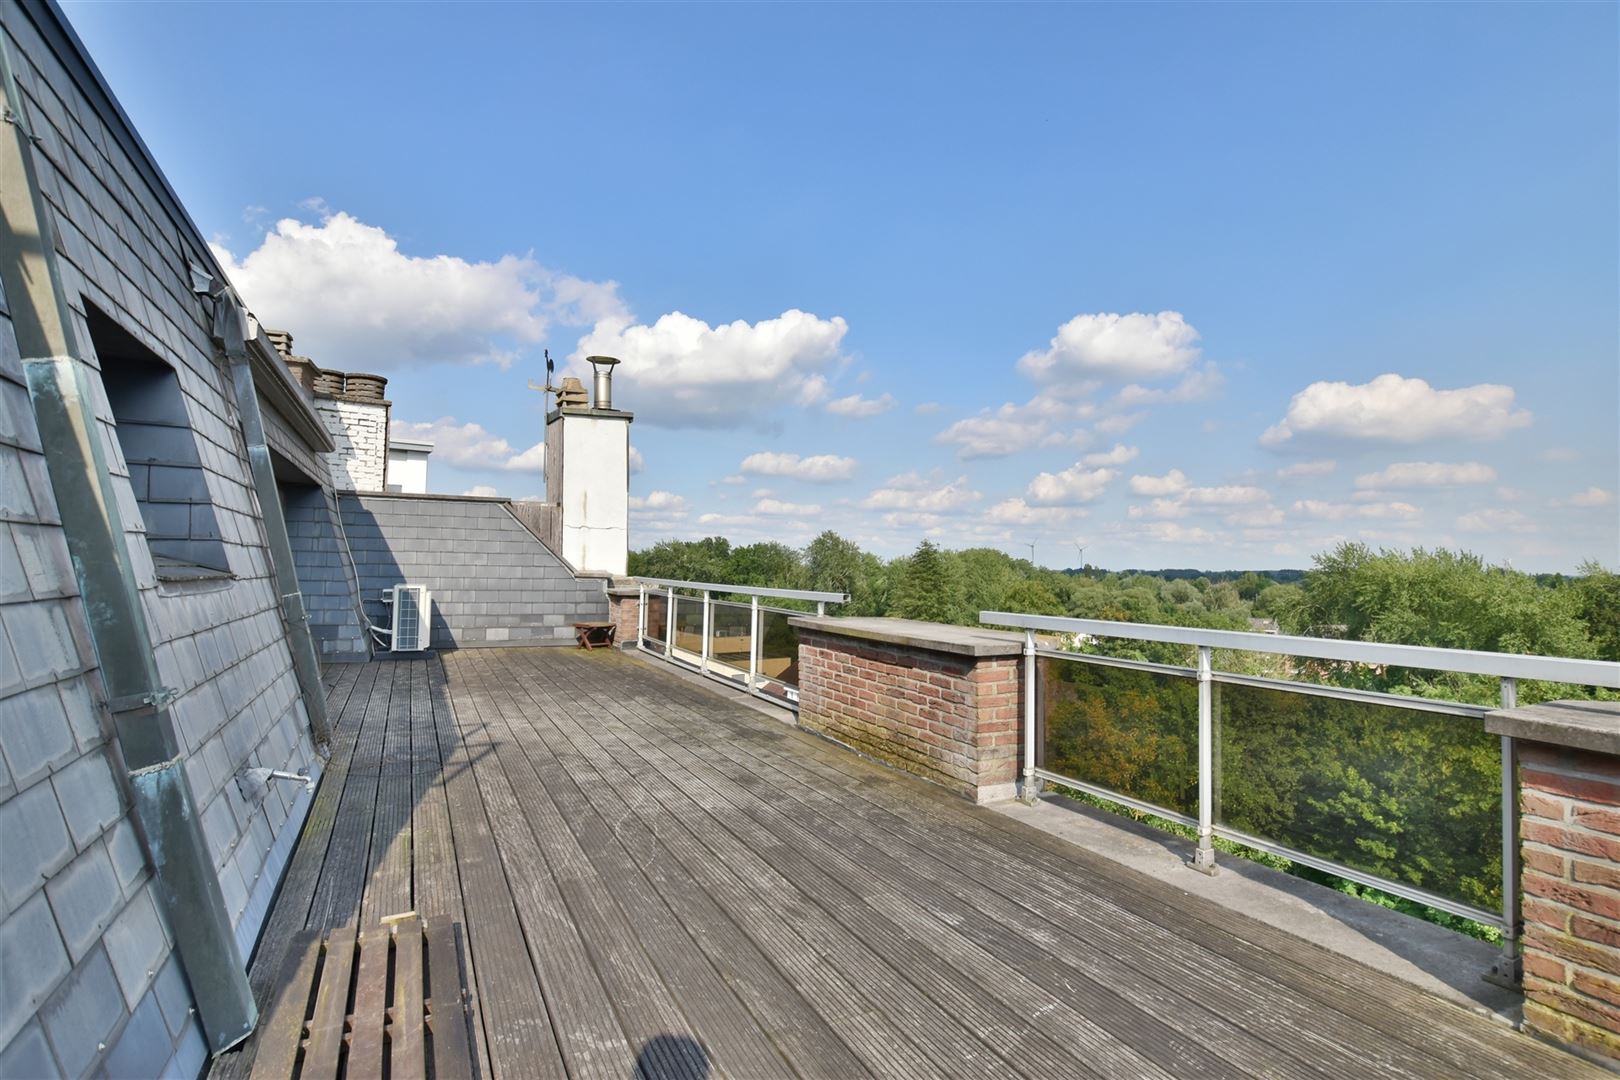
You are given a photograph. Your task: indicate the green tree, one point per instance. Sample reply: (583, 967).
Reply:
(769, 565)
(1597, 594)
(929, 587)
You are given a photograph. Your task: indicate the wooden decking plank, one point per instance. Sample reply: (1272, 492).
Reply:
(388, 892)
(804, 1039)
(738, 1043)
(515, 1038)
(1395, 1006)
(340, 891)
(588, 1030)
(281, 1029)
(451, 1053)
(1088, 976)
(979, 987)
(640, 998)
(407, 1036)
(368, 1016)
(858, 960)
(327, 1022)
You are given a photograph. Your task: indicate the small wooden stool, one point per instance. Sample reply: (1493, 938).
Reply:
(594, 635)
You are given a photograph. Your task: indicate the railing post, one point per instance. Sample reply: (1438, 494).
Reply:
(821, 607)
(669, 620)
(1204, 857)
(1029, 793)
(641, 619)
(708, 626)
(1508, 970)
(753, 645)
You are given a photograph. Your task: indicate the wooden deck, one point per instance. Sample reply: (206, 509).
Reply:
(655, 880)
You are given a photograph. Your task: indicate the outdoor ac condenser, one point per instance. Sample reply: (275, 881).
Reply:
(413, 607)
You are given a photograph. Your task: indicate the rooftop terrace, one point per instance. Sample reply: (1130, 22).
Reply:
(655, 879)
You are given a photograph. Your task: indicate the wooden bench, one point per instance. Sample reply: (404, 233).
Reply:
(595, 635)
(312, 1033)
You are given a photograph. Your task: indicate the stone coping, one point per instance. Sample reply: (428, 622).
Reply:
(935, 637)
(1581, 725)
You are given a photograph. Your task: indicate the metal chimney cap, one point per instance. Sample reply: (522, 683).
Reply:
(606, 361)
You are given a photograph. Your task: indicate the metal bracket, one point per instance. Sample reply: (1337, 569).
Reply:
(160, 698)
(1507, 972)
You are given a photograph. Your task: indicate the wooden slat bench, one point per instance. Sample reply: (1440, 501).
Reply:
(594, 635)
(391, 998)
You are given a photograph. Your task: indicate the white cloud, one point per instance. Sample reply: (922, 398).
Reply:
(1134, 346)
(1161, 509)
(1307, 468)
(1170, 532)
(682, 372)
(1560, 454)
(354, 301)
(1411, 474)
(1338, 511)
(778, 508)
(728, 519)
(1496, 521)
(1394, 409)
(1173, 482)
(1227, 495)
(469, 446)
(658, 501)
(1206, 382)
(762, 493)
(1119, 455)
(734, 479)
(1119, 423)
(1259, 517)
(483, 491)
(1592, 496)
(860, 408)
(637, 462)
(911, 491)
(818, 468)
(1018, 512)
(1076, 484)
(928, 408)
(1011, 428)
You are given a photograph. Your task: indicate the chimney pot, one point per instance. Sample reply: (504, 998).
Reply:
(603, 367)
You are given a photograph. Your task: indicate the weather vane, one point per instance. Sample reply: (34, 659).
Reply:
(548, 389)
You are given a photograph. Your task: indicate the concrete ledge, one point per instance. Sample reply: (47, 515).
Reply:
(1579, 725)
(935, 637)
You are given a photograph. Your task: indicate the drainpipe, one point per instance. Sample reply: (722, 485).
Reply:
(165, 815)
(231, 335)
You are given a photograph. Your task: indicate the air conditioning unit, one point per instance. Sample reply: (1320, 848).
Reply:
(412, 618)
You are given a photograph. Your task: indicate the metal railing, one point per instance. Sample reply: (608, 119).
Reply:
(751, 646)
(1281, 710)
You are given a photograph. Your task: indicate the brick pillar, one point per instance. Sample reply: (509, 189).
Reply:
(624, 607)
(942, 702)
(1569, 829)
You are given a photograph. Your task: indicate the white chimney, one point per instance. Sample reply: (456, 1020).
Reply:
(588, 474)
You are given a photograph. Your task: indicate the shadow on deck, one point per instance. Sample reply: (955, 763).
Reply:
(655, 880)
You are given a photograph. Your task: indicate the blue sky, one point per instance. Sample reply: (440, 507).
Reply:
(1207, 285)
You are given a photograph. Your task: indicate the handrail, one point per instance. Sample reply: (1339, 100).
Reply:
(750, 590)
(1603, 673)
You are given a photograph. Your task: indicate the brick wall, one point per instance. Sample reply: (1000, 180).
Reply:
(1569, 803)
(948, 717)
